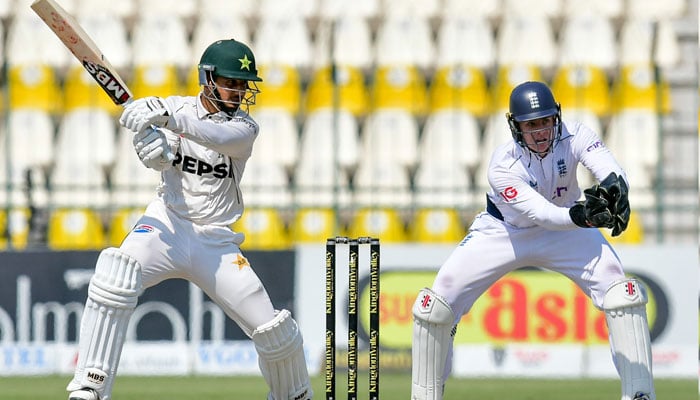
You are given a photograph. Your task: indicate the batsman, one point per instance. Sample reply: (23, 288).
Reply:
(536, 216)
(185, 231)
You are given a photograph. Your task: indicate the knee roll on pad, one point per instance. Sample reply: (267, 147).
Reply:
(281, 358)
(433, 332)
(112, 296)
(624, 304)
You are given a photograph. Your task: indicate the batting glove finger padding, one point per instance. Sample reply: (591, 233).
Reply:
(153, 149)
(146, 112)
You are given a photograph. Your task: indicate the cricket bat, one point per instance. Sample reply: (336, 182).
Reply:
(86, 51)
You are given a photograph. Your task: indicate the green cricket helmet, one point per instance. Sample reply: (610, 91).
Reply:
(232, 60)
(228, 58)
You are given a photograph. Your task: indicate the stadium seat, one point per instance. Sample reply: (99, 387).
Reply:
(314, 225)
(278, 139)
(155, 80)
(381, 183)
(526, 40)
(284, 8)
(436, 225)
(132, 184)
(656, 9)
(228, 8)
(122, 8)
(404, 41)
(348, 85)
(121, 222)
(34, 86)
(547, 8)
(75, 229)
(604, 8)
(582, 87)
(588, 39)
(283, 40)
(217, 25)
(476, 8)
(410, 8)
(159, 39)
(459, 87)
(451, 135)
(265, 184)
(442, 184)
(334, 9)
(633, 137)
(30, 42)
(171, 9)
(280, 88)
(401, 87)
(643, 42)
(391, 136)
(383, 222)
(16, 234)
(332, 135)
(496, 133)
(351, 37)
(110, 34)
(507, 78)
(640, 87)
(264, 229)
(464, 39)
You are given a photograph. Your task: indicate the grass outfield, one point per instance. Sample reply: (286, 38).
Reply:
(392, 387)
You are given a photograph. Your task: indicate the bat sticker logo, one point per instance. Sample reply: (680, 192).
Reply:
(108, 82)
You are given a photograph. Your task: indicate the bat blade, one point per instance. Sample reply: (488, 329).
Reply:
(83, 48)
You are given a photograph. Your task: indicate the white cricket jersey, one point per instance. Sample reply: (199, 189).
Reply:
(211, 153)
(529, 191)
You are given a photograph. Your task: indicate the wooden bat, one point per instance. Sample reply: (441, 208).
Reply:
(86, 51)
(83, 48)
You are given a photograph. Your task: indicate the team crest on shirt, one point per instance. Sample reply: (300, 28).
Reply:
(561, 167)
(509, 193)
(143, 228)
(241, 262)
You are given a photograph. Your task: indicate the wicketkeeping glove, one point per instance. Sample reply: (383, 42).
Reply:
(152, 149)
(146, 112)
(614, 189)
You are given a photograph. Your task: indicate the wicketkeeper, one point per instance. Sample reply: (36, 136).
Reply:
(185, 232)
(534, 217)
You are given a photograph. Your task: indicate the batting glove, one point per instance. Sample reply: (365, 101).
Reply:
(147, 112)
(153, 149)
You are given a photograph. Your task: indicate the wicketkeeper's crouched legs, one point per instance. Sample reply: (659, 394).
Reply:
(112, 297)
(625, 312)
(281, 358)
(433, 332)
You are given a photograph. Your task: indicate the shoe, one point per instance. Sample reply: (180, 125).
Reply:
(83, 394)
(641, 396)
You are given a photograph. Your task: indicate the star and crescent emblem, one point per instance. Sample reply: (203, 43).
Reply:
(241, 262)
(245, 62)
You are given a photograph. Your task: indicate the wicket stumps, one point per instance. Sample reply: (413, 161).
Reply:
(332, 245)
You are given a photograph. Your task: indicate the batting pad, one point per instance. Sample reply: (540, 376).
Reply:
(112, 297)
(625, 312)
(433, 319)
(281, 358)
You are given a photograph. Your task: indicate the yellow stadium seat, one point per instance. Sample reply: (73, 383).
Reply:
(400, 87)
(192, 87)
(314, 225)
(81, 90)
(121, 223)
(155, 80)
(386, 223)
(75, 229)
(34, 87)
(18, 230)
(582, 87)
(637, 88)
(508, 77)
(280, 88)
(634, 234)
(264, 229)
(460, 87)
(437, 225)
(350, 87)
